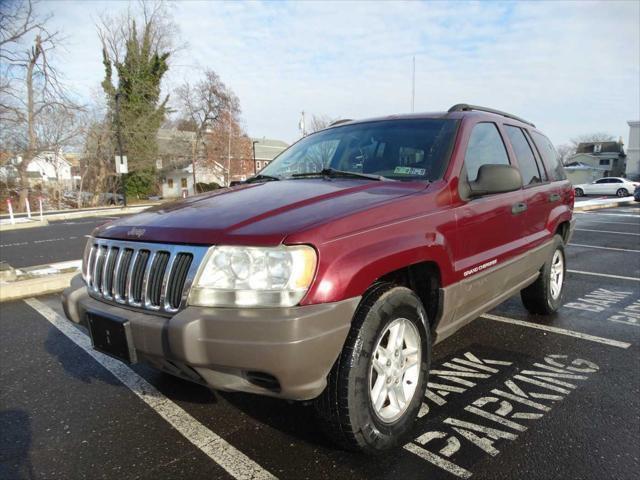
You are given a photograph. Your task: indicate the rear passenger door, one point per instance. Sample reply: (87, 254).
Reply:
(539, 195)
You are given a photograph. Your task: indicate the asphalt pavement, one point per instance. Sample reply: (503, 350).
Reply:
(511, 395)
(59, 241)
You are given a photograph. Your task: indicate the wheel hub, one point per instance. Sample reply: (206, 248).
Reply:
(557, 274)
(395, 369)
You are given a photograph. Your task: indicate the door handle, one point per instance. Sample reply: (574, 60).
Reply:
(554, 197)
(519, 207)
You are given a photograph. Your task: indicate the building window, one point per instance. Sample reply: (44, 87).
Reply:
(183, 182)
(604, 161)
(597, 148)
(258, 165)
(170, 183)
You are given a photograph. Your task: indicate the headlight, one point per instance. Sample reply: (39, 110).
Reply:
(254, 276)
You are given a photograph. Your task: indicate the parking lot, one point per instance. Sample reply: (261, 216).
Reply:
(511, 395)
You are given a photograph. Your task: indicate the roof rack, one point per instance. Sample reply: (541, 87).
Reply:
(463, 107)
(338, 122)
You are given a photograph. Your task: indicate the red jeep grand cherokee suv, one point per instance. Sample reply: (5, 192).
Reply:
(332, 273)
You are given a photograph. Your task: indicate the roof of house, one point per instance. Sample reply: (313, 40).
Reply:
(268, 148)
(606, 147)
(174, 143)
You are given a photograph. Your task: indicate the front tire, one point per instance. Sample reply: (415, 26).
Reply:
(579, 192)
(375, 388)
(544, 296)
(622, 192)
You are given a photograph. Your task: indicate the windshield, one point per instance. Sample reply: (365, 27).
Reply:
(415, 149)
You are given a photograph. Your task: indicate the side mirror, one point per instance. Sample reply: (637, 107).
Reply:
(495, 179)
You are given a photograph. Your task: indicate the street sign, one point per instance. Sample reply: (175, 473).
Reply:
(121, 164)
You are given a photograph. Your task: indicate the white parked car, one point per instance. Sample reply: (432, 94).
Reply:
(621, 187)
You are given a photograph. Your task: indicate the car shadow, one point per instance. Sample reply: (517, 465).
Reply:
(176, 388)
(74, 360)
(297, 419)
(15, 445)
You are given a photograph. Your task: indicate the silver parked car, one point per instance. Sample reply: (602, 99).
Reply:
(618, 186)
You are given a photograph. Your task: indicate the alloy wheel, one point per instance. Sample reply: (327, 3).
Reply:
(395, 370)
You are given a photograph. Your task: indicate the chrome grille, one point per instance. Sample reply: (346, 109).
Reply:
(146, 276)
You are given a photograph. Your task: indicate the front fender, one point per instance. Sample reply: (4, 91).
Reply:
(347, 269)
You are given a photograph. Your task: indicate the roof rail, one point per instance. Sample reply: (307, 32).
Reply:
(338, 122)
(463, 107)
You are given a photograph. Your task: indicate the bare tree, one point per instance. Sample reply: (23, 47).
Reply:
(592, 137)
(319, 122)
(204, 105)
(116, 30)
(32, 90)
(565, 151)
(229, 147)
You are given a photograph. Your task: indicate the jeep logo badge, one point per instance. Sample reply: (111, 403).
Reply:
(136, 232)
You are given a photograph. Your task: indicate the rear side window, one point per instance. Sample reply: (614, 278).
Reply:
(550, 156)
(485, 148)
(529, 168)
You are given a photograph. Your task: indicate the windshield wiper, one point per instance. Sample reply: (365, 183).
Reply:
(261, 178)
(333, 173)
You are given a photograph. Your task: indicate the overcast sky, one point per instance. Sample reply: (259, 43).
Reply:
(571, 68)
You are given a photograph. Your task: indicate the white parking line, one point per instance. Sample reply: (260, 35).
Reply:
(603, 248)
(606, 275)
(561, 331)
(606, 231)
(236, 463)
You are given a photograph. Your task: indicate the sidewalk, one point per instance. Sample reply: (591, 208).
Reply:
(22, 222)
(598, 203)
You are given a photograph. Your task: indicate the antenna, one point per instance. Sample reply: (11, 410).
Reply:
(413, 85)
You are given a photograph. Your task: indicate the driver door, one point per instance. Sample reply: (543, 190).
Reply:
(489, 228)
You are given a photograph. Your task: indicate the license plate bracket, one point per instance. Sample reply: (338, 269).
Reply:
(112, 336)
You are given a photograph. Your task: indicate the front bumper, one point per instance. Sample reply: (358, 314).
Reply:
(281, 352)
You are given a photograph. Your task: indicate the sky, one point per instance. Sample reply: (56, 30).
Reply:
(570, 67)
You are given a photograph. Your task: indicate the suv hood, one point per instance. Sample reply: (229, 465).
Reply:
(256, 214)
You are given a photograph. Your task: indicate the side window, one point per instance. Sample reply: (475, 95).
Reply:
(550, 156)
(526, 160)
(485, 148)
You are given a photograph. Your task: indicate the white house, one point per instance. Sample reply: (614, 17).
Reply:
(48, 166)
(633, 150)
(179, 182)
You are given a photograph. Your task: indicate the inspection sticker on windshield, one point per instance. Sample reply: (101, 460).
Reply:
(409, 171)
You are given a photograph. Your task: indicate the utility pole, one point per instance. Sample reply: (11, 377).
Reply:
(120, 152)
(229, 156)
(253, 147)
(193, 160)
(413, 85)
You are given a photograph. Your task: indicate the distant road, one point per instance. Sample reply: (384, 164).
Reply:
(57, 242)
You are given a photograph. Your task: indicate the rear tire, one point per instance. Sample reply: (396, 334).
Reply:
(544, 296)
(346, 409)
(579, 192)
(622, 192)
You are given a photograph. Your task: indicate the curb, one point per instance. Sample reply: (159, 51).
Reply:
(612, 204)
(97, 213)
(7, 227)
(38, 280)
(33, 287)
